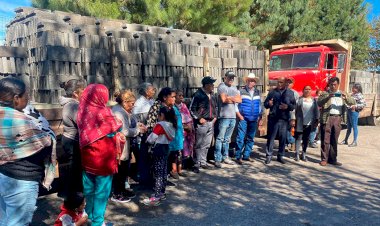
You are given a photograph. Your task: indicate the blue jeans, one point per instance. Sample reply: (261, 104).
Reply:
(226, 128)
(96, 190)
(245, 135)
(352, 123)
(17, 201)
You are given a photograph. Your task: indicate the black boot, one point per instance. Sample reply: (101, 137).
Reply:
(268, 160)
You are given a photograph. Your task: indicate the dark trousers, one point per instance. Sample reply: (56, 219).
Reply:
(144, 163)
(274, 127)
(69, 160)
(160, 169)
(329, 138)
(120, 177)
(304, 136)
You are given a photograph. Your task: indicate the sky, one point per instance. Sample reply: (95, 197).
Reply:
(7, 12)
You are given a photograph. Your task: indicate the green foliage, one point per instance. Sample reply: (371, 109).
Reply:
(98, 8)
(374, 59)
(264, 22)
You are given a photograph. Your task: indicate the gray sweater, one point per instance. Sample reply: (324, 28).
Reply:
(129, 129)
(69, 117)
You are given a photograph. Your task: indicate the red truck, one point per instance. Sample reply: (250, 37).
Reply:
(311, 63)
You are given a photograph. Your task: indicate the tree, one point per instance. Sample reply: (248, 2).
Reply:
(374, 56)
(290, 21)
(345, 19)
(111, 9)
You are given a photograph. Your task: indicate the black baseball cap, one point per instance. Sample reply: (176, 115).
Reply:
(230, 74)
(208, 80)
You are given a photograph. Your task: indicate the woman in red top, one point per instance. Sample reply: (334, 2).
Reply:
(101, 143)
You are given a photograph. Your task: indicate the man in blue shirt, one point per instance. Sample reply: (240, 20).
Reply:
(249, 112)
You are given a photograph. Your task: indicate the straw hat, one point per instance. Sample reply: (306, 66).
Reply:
(251, 76)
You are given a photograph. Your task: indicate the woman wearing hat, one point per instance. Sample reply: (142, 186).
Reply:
(249, 113)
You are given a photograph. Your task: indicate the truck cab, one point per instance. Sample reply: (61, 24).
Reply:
(311, 64)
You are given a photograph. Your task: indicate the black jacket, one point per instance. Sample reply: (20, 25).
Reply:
(287, 97)
(201, 107)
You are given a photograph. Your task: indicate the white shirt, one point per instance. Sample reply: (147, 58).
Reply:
(336, 105)
(142, 105)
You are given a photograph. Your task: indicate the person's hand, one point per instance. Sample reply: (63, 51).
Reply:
(241, 118)
(260, 122)
(202, 121)
(292, 123)
(142, 128)
(332, 95)
(344, 95)
(270, 102)
(283, 106)
(82, 220)
(353, 107)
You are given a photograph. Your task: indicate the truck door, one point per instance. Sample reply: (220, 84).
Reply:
(333, 66)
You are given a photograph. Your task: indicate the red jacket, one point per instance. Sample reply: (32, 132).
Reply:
(100, 157)
(75, 216)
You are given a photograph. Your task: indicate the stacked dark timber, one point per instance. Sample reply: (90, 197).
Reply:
(47, 47)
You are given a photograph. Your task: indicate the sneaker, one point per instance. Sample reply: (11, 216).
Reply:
(248, 159)
(174, 175)
(313, 145)
(182, 174)
(162, 196)
(239, 161)
(228, 161)
(206, 166)
(218, 165)
(196, 170)
(129, 193)
(120, 198)
(152, 201)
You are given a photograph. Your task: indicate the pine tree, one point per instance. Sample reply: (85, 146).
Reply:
(374, 56)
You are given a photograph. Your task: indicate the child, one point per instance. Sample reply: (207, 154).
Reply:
(163, 133)
(188, 126)
(72, 211)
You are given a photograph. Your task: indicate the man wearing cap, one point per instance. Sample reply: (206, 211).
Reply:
(228, 97)
(249, 112)
(203, 109)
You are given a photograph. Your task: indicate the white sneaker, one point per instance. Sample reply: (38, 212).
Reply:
(228, 161)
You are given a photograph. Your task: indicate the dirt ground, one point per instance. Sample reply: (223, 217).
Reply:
(296, 193)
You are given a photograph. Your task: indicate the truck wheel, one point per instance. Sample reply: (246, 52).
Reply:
(372, 121)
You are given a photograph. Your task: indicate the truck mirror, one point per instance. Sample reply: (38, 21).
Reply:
(341, 62)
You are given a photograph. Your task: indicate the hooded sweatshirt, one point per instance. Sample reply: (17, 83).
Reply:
(163, 133)
(69, 117)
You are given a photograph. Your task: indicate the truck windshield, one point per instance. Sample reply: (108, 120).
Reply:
(294, 61)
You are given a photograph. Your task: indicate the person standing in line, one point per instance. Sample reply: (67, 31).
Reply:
(332, 117)
(353, 114)
(163, 133)
(249, 113)
(144, 102)
(228, 97)
(307, 118)
(314, 135)
(131, 129)
(101, 143)
(281, 102)
(27, 155)
(291, 130)
(188, 129)
(203, 109)
(71, 179)
(176, 147)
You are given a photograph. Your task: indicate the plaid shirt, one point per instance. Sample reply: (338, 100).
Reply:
(20, 137)
(360, 101)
